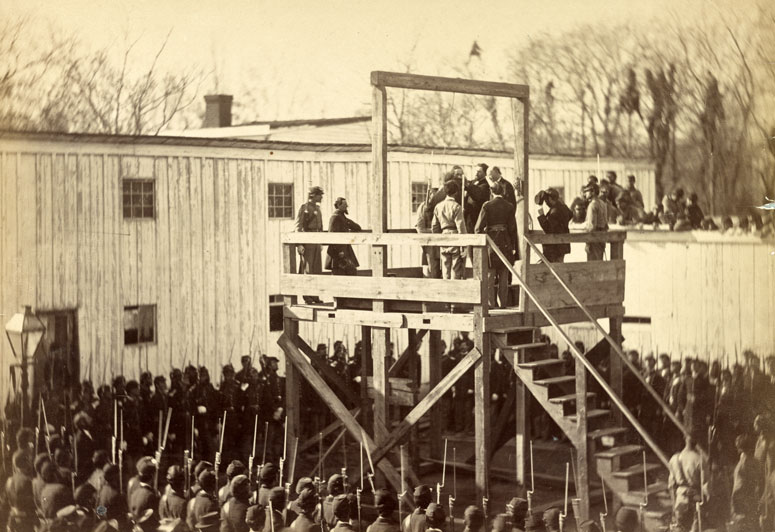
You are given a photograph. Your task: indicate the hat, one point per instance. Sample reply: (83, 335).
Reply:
(552, 518)
(534, 522)
(213, 519)
(255, 517)
(206, 480)
(41, 459)
(82, 419)
(474, 517)
(240, 485)
(110, 471)
(626, 519)
(518, 506)
(245, 358)
(434, 515)
(235, 468)
(277, 498)
(341, 507)
(83, 493)
(304, 483)
(335, 483)
(146, 466)
(384, 501)
(228, 368)
(175, 474)
(339, 201)
(306, 500)
(315, 190)
(552, 192)
(202, 466)
(268, 472)
(423, 490)
(591, 187)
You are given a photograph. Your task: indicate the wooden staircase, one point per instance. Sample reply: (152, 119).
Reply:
(616, 460)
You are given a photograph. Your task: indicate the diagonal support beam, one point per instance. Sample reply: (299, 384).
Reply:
(466, 363)
(330, 429)
(297, 358)
(322, 366)
(406, 356)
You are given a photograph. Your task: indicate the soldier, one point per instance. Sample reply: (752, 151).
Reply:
(231, 402)
(684, 483)
(534, 522)
(173, 503)
(497, 220)
(747, 488)
(473, 517)
(415, 521)
(267, 481)
(552, 519)
(305, 506)
(435, 518)
(198, 469)
(235, 469)
(109, 497)
(386, 504)
(514, 517)
(243, 376)
(86, 504)
(63, 461)
(143, 497)
(209, 522)
(38, 483)
(84, 445)
(145, 463)
(343, 513)
(335, 488)
(54, 496)
(596, 220)
(204, 403)
(309, 220)
(236, 508)
(699, 405)
(19, 496)
(99, 459)
(133, 434)
(255, 517)
(272, 395)
(626, 520)
(205, 501)
(340, 258)
(275, 519)
(103, 417)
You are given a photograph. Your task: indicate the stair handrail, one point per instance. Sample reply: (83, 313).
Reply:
(581, 358)
(619, 351)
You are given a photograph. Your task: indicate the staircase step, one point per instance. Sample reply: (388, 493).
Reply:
(568, 398)
(656, 491)
(591, 414)
(556, 380)
(616, 452)
(608, 431)
(636, 470)
(546, 362)
(517, 347)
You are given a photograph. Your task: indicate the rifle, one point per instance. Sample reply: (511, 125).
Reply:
(75, 468)
(320, 456)
(114, 438)
(285, 449)
(453, 496)
(252, 457)
(642, 506)
(220, 449)
(604, 513)
(189, 458)
(48, 431)
(359, 489)
(485, 502)
(162, 445)
(443, 474)
(532, 482)
(371, 464)
(564, 513)
(271, 515)
(403, 487)
(121, 451)
(263, 456)
(37, 432)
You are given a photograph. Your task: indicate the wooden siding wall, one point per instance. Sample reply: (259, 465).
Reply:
(706, 294)
(210, 259)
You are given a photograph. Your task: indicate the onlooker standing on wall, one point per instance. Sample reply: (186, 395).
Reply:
(310, 220)
(554, 222)
(635, 194)
(595, 221)
(673, 205)
(694, 212)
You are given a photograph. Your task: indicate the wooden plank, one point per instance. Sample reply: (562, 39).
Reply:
(70, 235)
(84, 259)
(386, 239)
(598, 283)
(482, 340)
(111, 302)
(210, 248)
(763, 330)
(438, 423)
(163, 271)
(581, 443)
(321, 365)
(608, 236)
(338, 409)
(58, 236)
(427, 402)
(437, 83)
(234, 304)
(615, 363)
(393, 288)
(409, 353)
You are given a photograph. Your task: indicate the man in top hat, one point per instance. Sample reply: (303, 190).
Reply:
(341, 259)
(386, 504)
(310, 220)
(144, 497)
(235, 509)
(496, 219)
(596, 220)
(415, 521)
(553, 222)
(435, 518)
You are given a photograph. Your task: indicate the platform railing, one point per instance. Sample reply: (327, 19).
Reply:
(580, 358)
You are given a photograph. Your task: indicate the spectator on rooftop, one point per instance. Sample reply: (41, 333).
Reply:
(673, 205)
(708, 224)
(694, 212)
(726, 225)
(757, 226)
(743, 228)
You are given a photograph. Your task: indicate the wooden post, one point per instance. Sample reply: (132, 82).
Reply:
(291, 328)
(482, 378)
(525, 194)
(615, 330)
(581, 443)
(434, 376)
(366, 372)
(414, 375)
(522, 450)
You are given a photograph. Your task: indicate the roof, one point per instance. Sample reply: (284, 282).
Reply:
(159, 140)
(314, 122)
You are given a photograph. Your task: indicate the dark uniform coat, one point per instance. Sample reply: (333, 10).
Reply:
(497, 220)
(304, 523)
(308, 220)
(144, 498)
(203, 504)
(114, 503)
(18, 492)
(233, 516)
(383, 524)
(172, 506)
(556, 222)
(54, 497)
(415, 522)
(341, 258)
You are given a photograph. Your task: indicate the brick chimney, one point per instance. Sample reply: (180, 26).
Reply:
(217, 110)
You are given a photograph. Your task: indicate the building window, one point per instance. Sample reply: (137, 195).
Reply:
(139, 324)
(280, 200)
(275, 313)
(419, 193)
(138, 198)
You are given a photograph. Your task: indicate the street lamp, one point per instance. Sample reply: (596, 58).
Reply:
(24, 332)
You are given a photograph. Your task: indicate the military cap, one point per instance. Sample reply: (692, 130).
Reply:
(228, 368)
(240, 485)
(434, 515)
(202, 466)
(255, 517)
(307, 499)
(82, 419)
(423, 490)
(304, 483)
(518, 506)
(175, 474)
(591, 187)
(277, 498)
(21, 461)
(534, 522)
(62, 456)
(48, 472)
(552, 518)
(384, 501)
(41, 459)
(268, 472)
(315, 190)
(146, 466)
(473, 516)
(245, 358)
(335, 483)
(235, 468)
(110, 471)
(84, 494)
(206, 480)
(626, 519)
(338, 202)
(341, 507)
(213, 519)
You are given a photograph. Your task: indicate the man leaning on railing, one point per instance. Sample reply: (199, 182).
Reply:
(596, 221)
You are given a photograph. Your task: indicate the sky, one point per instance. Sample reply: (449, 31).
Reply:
(312, 58)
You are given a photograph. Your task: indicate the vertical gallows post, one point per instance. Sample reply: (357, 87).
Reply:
(615, 330)
(291, 328)
(482, 377)
(581, 443)
(438, 421)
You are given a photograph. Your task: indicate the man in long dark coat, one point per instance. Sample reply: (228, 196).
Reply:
(554, 222)
(341, 259)
(497, 220)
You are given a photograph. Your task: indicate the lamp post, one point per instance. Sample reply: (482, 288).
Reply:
(24, 331)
